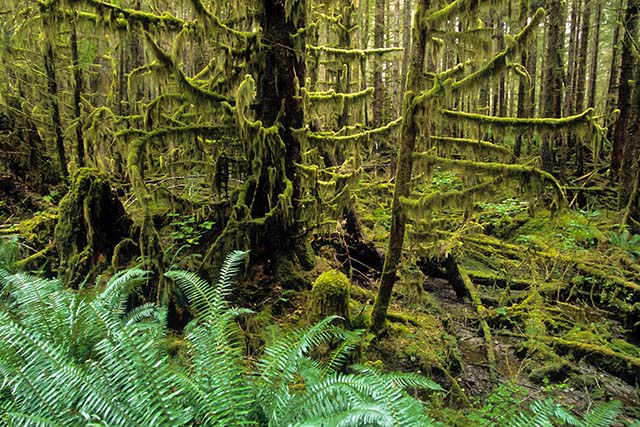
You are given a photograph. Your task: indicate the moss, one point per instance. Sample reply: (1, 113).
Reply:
(288, 274)
(91, 223)
(329, 296)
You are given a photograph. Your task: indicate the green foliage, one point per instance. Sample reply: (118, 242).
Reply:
(501, 214)
(625, 241)
(10, 253)
(70, 358)
(188, 230)
(501, 403)
(543, 413)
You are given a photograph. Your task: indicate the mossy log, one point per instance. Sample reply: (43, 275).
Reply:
(482, 315)
(91, 222)
(329, 296)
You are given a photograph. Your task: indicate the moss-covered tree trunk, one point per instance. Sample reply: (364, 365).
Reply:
(281, 239)
(404, 168)
(621, 136)
(91, 222)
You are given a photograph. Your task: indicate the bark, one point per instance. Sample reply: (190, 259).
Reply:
(612, 94)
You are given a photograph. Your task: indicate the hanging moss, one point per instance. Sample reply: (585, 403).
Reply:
(91, 222)
(329, 296)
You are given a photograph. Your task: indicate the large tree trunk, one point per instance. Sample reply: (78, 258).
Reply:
(279, 238)
(620, 136)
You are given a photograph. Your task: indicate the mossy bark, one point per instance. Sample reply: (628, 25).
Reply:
(91, 222)
(280, 236)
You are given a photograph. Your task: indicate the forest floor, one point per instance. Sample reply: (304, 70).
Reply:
(555, 296)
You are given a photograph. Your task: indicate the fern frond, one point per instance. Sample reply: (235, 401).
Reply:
(18, 419)
(602, 415)
(204, 299)
(117, 289)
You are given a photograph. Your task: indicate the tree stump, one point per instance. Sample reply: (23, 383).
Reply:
(329, 296)
(91, 222)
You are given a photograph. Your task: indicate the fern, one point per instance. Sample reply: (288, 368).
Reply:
(77, 358)
(547, 413)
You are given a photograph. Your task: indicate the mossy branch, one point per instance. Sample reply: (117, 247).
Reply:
(495, 65)
(331, 136)
(449, 12)
(474, 144)
(522, 173)
(205, 13)
(486, 330)
(518, 122)
(499, 62)
(145, 18)
(333, 95)
(354, 52)
(185, 83)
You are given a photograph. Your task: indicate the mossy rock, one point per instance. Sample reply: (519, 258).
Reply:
(329, 296)
(91, 222)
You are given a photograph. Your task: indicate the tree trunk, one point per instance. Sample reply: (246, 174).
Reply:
(279, 240)
(52, 86)
(554, 76)
(593, 74)
(378, 43)
(77, 92)
(612, 95)
(626, 128)
(628, 60)
(403, 171)
(580, 81)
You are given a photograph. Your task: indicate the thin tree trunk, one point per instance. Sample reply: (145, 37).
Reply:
(77, 92)
(554, 76)
(52, 87)
(580, 80)
(593, 74)
(404, 170)
(378, 43)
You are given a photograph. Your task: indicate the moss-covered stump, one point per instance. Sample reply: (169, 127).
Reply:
(329, 296)
(91, 222)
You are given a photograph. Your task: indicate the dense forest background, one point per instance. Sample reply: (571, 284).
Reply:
(458, 180)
